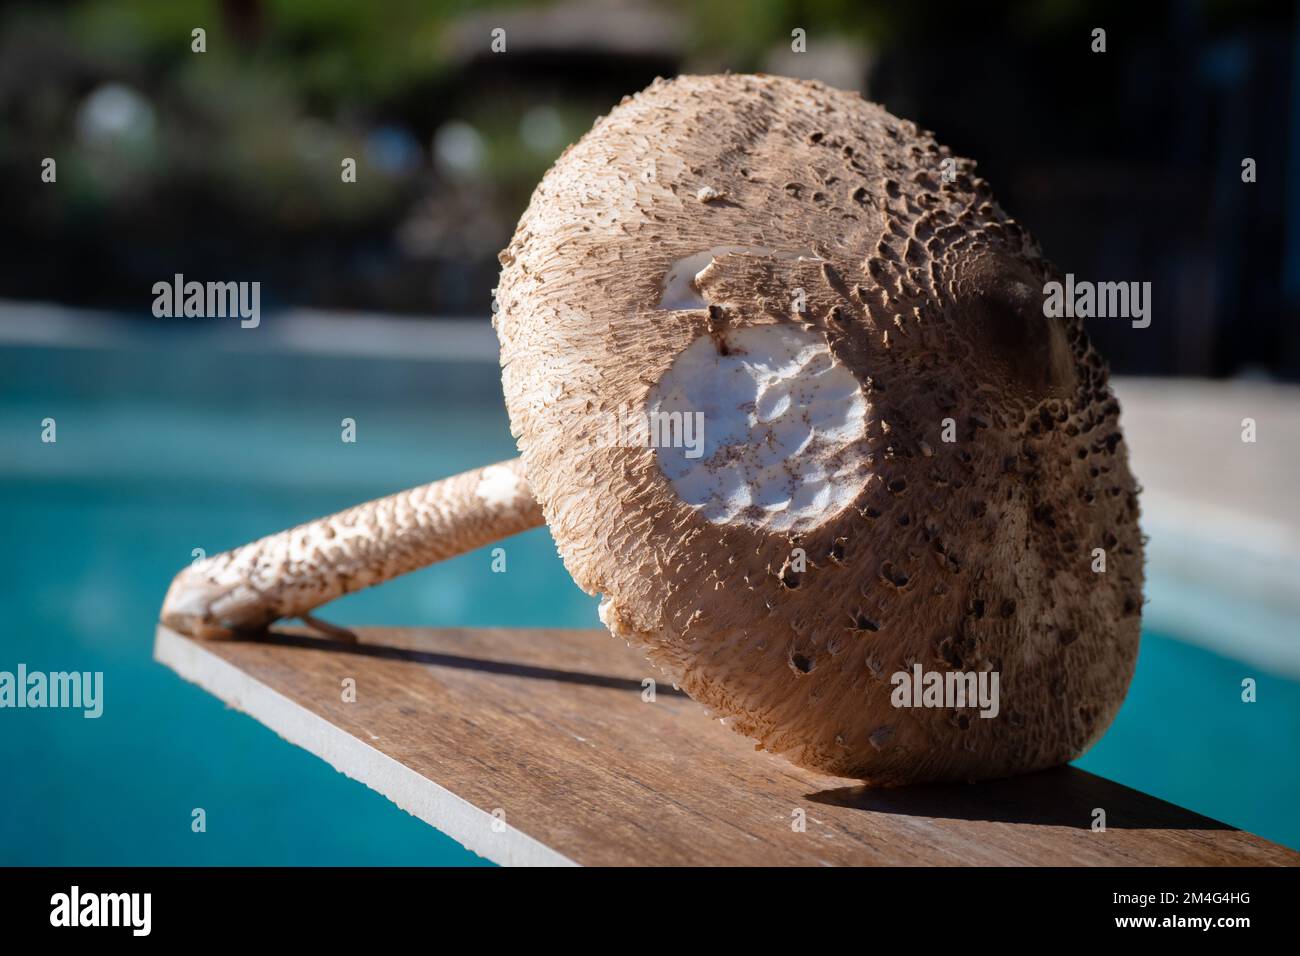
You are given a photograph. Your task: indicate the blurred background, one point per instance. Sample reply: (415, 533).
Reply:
(176, 434)
(1126, 163)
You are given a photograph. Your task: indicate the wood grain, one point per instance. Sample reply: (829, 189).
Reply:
(549, 729)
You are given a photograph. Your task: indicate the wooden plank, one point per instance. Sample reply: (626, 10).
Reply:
(549, 731)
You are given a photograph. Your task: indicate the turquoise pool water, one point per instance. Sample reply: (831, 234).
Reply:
(171, 449)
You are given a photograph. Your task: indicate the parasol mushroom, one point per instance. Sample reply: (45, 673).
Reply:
(904, 466)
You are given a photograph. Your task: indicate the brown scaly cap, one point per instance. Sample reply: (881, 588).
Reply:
(966, 555)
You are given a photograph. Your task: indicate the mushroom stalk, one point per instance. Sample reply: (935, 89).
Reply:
(290, 573)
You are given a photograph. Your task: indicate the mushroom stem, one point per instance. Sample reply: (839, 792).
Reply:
(290, 573)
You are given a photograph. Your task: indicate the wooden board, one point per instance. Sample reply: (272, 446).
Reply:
(536, 747)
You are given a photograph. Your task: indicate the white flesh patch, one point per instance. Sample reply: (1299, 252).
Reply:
(779, 418)
(680, 290)
(498, 486)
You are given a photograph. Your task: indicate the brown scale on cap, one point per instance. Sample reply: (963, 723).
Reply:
(968, 555)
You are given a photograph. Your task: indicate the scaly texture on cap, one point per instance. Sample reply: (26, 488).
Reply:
(793, 262)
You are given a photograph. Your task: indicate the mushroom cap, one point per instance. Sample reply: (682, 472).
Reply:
(904, 462)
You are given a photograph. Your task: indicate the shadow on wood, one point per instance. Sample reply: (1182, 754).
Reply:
(438, 659)
(540, 747)
(1063, 797)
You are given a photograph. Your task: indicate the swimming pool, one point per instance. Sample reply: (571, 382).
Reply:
(170, 447)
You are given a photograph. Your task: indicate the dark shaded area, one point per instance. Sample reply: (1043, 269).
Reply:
(1126, 164)
(457, 661)
(1063, 797)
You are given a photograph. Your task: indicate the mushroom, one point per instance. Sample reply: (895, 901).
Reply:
(803, 440)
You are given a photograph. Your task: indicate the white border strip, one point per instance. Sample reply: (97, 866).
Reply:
(416, 794)
(295, 331)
